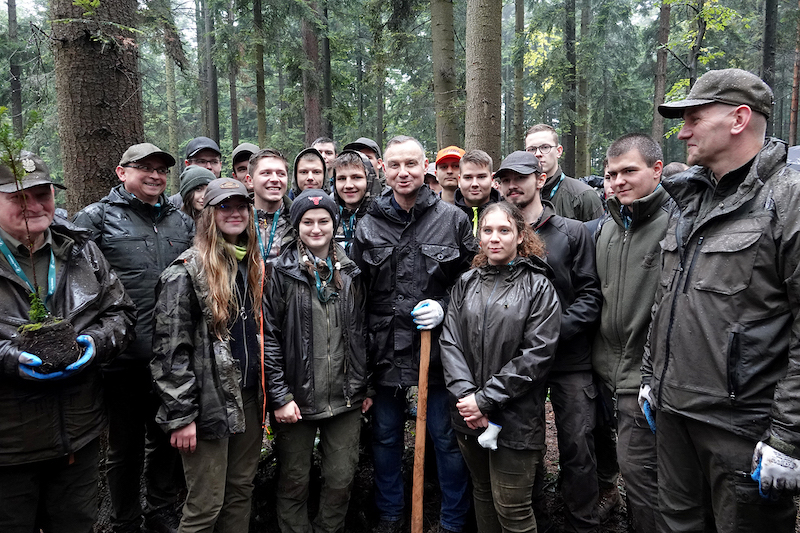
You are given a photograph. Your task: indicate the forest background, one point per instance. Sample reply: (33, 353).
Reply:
(87, 78)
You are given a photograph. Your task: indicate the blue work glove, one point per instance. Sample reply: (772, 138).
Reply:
(427, 314)
(88, 354)
(774, 472)
(27, 365)
(645, 404)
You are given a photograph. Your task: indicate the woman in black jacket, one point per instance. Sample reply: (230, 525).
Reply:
(497, 346)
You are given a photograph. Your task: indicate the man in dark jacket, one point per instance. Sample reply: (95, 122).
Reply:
(475, 189)
(410, 248)
(570, 197)
(50, 423)
(570, 253)
(627, 263)
(140, 233)
(722, 361)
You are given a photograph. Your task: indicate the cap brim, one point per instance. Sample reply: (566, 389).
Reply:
(448, 156)
(219, 199)
(525, 170)
(676, 109)
(29, 183)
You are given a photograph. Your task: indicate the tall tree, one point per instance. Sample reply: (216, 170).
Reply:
(258, 53)
(327, 86)
(16, 85)
(483, 38)
(795, 86)
(568, 105)
(660, 88)
(768, 57)
(233, 69)
(582, 163)
(99, 110)
(312, 75)
(202, 63)
(518, 131)
(448, 132)
(212, 87)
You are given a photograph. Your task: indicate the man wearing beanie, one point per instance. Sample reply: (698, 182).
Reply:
(140, 233)
(721, 367)
(194, 180)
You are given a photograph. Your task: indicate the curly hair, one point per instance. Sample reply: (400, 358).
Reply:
(531, 245)
(218, 263)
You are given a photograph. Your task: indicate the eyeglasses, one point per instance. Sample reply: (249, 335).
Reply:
(545, 149)
(147, 169)
(228, 209)
(205, 161)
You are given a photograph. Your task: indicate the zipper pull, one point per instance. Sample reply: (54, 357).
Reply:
(155, 228)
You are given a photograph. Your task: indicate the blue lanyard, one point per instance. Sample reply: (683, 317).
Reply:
(265, 252)
(553, 192)
(51, 270)
(321, 284)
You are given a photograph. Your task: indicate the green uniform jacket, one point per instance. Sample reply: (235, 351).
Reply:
(196, 376)
(724, 345)
(627, 263)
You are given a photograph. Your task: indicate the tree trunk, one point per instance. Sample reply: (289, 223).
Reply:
(795, 87)
(483, 37)
(261, 102)
(327, 89)
(768, 58)
(16, 85)
(282, 103)
(232, 72)
(582, 164)
(568, 110)
(211, 69)
(311, 77)
(199, 6)
(444, 74)
(519, 64)
(694, 52)
(172, 121)
(660, 89)
(100, 110)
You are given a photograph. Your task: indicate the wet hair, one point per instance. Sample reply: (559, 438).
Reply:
(641, 142)
(673, 168)
(531, 245)
(314, 156)
(262, 154)
(536, 128)
(324, 140)
(477, 157)
(400, 139)
(348, 159)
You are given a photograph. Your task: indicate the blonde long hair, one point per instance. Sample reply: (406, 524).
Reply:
(218, 263)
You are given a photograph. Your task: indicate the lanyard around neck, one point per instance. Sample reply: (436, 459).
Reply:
(51, 270)
(553, 191)
(265, 252)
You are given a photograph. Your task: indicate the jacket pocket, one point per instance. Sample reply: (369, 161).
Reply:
(670, 260)
(435, 256)
(376, 256)
(726, 260)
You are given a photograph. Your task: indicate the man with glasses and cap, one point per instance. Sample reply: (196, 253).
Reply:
(51, 422)
(721, 367)
(140, 233)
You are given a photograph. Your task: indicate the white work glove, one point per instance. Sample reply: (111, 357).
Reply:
(646, 405)
(774, 471)
(428, 314)
(488, 439)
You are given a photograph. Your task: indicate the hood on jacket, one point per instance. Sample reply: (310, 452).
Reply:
(288, 262)
(382, 205)
(494, 197)
(374, 187)
(326, 186)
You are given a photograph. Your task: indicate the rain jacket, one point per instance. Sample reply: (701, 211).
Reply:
(348, 220)
(47, 420)
(403, 263)
(196, 376)
(570, 253)
(326, 184)
(628, 254)
(474, 213)
(571, 197)
(289, 339)
(724, 345)
(139, 241)
(498, 341)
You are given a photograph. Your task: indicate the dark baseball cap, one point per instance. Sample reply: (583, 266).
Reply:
(244, 151)
(137, 152)
(731, 86)
(35, 173)
(364, 142)
(221, 189)
(201, 143)
(521, 162)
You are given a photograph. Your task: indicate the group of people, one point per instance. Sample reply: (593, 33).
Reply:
(665, 330)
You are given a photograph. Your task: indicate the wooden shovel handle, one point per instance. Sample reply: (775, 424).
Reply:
(421, 430)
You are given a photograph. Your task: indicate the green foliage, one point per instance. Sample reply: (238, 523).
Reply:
(38, 312)
(89, 6)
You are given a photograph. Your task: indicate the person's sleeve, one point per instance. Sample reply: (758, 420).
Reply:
(113, 328)
(274, 364)
(90, 218)
(582, 315)
(535, 357)
(176, 314)
(591, 206)
(457, 374)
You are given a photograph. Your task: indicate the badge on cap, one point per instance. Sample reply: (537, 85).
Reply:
(315, 199)
(29, 165)
(229, 185)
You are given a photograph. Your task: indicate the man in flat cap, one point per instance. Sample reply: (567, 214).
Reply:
(51, 421)
(722, 363)
(140, 233)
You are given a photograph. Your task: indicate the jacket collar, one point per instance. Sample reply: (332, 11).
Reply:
(547, 213)
(640, 210)
(494, 196)
(288, 263)
(382, 206)
(120, 196)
